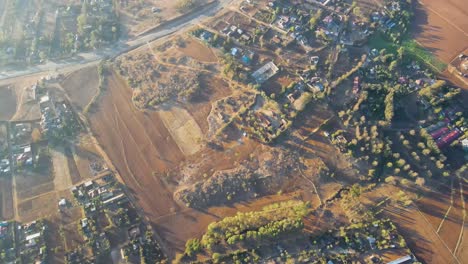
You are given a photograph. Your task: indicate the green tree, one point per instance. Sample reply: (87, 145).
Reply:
(192, 246)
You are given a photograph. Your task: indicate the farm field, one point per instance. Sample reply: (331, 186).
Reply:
(21, 95)
(441, 27)
(81, 90)
(139, 145)
(412, 221)
(37, 207)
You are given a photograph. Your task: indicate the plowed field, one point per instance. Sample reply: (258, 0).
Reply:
(138, 144)
(442, 27)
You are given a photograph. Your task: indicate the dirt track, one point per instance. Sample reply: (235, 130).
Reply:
(442, 27)
(434, 207)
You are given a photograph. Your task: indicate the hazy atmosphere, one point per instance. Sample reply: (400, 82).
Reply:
(233, 131)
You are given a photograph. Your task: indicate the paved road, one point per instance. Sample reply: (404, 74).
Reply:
(86, 58)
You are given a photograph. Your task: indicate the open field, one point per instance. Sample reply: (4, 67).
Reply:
(213, 89)
(37, 207)
(185, 131)
(81, 90)
(139, 145)
(433, 225)
(437, 205)
(441, 27)
(198, 51)
(62, 177)
(413, 224)
(462, 251)
(25, 108)
(33, 184)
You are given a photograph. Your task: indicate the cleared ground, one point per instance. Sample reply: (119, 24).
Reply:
(198, 51)
(413, 224)
(38, 207)
(62, 177)
(26, 109)
(138, 144)
(183, 128)
(442, 27)
(81, 90)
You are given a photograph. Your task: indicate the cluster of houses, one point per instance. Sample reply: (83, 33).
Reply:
(141, 248)
(265, 72)
(21, 148)
(368, 240)
(49, 117)
(237, 33)
(265, 124)
(8, 247)
(54, 115)
(331, 26)
(95, 196)
(444, 132)
(314, 82)
(245, 56)
(23, 155)
(31, 243)
(296, 23)
(96, 193)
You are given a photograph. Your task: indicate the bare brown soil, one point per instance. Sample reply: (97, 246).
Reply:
(414, 225)
(442, 27)
(212, 89)
(7, 103)
(275, 84)
(198, 51)
(452, 226)
(138, 144)
(38, 207)
(26, 109)
(81, 90)
(436, 204)
(148, 158)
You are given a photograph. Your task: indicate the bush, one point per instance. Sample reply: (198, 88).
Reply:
(192, 247)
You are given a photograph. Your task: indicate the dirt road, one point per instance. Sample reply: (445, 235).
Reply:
(123, 46)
